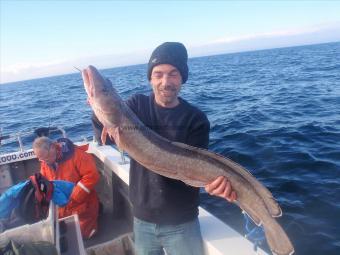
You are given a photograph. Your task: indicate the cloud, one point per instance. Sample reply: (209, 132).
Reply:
(26, 71)
(273, 39)
(321, 33)
(288, 32)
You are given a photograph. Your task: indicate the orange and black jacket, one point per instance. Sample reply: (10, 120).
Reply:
(74, 164)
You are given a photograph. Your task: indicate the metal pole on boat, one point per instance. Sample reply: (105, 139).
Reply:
(21, 145)
(122, 156)
(62, 131)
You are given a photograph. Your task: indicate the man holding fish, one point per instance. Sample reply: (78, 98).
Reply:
(166, 209)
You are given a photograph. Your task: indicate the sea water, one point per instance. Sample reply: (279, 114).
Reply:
(276, 112)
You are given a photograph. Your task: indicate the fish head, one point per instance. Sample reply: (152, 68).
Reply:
(102, 97)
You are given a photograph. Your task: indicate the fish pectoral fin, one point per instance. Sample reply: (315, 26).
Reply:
(103, 135)
(115, 136)
(112, 133)
(277, 239)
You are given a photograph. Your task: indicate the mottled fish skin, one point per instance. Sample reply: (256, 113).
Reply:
(194, 166)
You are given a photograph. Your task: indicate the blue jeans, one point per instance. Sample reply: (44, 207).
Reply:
(181, 239)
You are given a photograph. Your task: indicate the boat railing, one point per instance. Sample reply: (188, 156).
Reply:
(43, 131)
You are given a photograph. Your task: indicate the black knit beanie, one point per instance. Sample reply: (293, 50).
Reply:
(172, 53)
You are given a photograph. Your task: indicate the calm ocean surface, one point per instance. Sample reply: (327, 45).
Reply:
(276, 112)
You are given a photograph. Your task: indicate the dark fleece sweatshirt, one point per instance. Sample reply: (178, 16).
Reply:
(156, 198)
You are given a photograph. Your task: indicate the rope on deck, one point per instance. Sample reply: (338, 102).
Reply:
(254, 233)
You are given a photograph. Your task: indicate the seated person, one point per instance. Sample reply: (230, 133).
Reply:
(62, 160)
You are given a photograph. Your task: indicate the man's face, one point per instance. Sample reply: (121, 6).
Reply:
(166, 82)
(49, 156)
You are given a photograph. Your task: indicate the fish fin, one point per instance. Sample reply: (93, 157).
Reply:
(114, 135)
(111, 133)
(103, 135)
(277, 239)
(271, 204)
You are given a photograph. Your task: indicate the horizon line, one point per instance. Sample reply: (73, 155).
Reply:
(193, 57)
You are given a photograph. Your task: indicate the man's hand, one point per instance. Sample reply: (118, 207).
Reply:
(221, 187)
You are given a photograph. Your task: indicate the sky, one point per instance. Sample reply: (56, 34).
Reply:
(45, 38)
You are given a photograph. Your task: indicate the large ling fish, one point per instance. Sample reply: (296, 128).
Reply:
(194, 166)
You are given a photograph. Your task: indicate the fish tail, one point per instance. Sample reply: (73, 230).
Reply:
(277, 239)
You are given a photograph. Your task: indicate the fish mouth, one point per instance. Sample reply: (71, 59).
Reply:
(87, 84)
(90, 77)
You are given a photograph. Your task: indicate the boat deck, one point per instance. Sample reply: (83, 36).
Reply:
(116, 217)
(109, 228)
